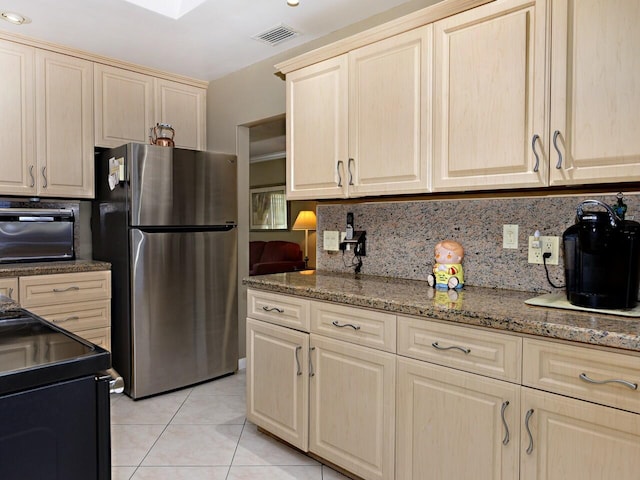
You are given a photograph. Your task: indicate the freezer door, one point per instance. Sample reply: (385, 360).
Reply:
(177, 187)
(183, 308)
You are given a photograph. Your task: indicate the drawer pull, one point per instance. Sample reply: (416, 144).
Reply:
(466, 351)
(632, 386)
(10, 292)
(526, 424)
(272, 309)
(299, 371)
(68, 289)
(336, 324)
(68, 319)
(311, 372)
(505, 404)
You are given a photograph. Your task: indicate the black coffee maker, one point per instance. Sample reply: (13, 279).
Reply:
(602, 259)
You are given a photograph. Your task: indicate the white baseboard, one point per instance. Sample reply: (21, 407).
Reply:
(242, 363)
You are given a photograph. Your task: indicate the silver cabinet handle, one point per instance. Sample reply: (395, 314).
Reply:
(339, 174)
(526, 424)
(632, 386)
(44, 175)
(555, 145)
(298, 348)
(68, 289)
(10, 292)
(68, 319)
(336, 324)
(351, 160)
(533, 147)
(466, 351)
(272, 309)
(505, 440)
(311, 372)
(33, 179)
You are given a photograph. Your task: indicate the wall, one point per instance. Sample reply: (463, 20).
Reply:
(401, 236)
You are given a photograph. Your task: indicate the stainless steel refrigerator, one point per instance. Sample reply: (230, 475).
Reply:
(166, 220)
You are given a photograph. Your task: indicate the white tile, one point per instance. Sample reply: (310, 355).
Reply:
(181, 473)
(230, 385)
(149, 411)
(330, 474)
(275, 473)
(130, 443)
(122, 473)
(256, 448)
(194, 445)
(211, 409)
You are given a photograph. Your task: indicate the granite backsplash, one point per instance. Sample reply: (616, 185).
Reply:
(401, 236)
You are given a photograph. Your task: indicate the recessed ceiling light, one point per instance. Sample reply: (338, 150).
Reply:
(15, 18)
(293, 3)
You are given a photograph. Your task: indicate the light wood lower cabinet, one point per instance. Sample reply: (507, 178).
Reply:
(352, 416)
(9, 288)
(77, 302)
(453, 424)
(278, 381)
(576, 440)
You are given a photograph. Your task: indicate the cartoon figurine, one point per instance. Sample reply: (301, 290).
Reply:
(447, 271)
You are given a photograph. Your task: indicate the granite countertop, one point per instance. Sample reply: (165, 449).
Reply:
(47, 268)
(478, 306)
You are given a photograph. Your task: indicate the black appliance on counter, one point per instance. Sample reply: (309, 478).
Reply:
(54, 402)
(602, 259)
(36, 234)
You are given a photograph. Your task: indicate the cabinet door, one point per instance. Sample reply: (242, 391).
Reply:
(184, 108)
(278, 381)
(576, 440)
(595, 91)
(490, 97)
(123, 106)
(9, 288)
(64, 108)
(317, 137)
(17, 121)
(352, 407)
(390, 115)
(443, 412)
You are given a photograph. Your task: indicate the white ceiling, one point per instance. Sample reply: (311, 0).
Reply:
(209, 41)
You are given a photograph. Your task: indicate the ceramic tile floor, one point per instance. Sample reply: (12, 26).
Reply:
(201, 433)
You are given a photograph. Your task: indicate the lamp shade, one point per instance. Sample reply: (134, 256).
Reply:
(306, 220)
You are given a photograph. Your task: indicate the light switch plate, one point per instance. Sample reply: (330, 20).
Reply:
(510, 236)
(331, 240)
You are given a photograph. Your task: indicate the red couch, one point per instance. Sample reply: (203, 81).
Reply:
(274, 257)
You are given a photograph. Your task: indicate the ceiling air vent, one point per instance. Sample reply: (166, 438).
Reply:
(276, 35)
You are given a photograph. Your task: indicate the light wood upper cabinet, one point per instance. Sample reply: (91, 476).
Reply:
(575, 440)
(317, 137)
(64, 133)
(124, 106)
(17, 119)
(489, 97)
(359, 124)
(183, 107)
(595, 91)
(442, 412)
(128, 104)
(390, 115)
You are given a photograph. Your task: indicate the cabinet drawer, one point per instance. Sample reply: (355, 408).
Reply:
(97, 336)
(292, 312)
(77, 316)
(41, 290)
(487, 353)
(9, 288)
(354, 325)
(566, 369)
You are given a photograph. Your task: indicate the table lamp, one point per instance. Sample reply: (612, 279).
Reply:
(306, 220)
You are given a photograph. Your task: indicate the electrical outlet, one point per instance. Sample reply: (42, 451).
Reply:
(546, 245)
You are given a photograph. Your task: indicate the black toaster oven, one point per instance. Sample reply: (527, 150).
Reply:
(36, 235)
